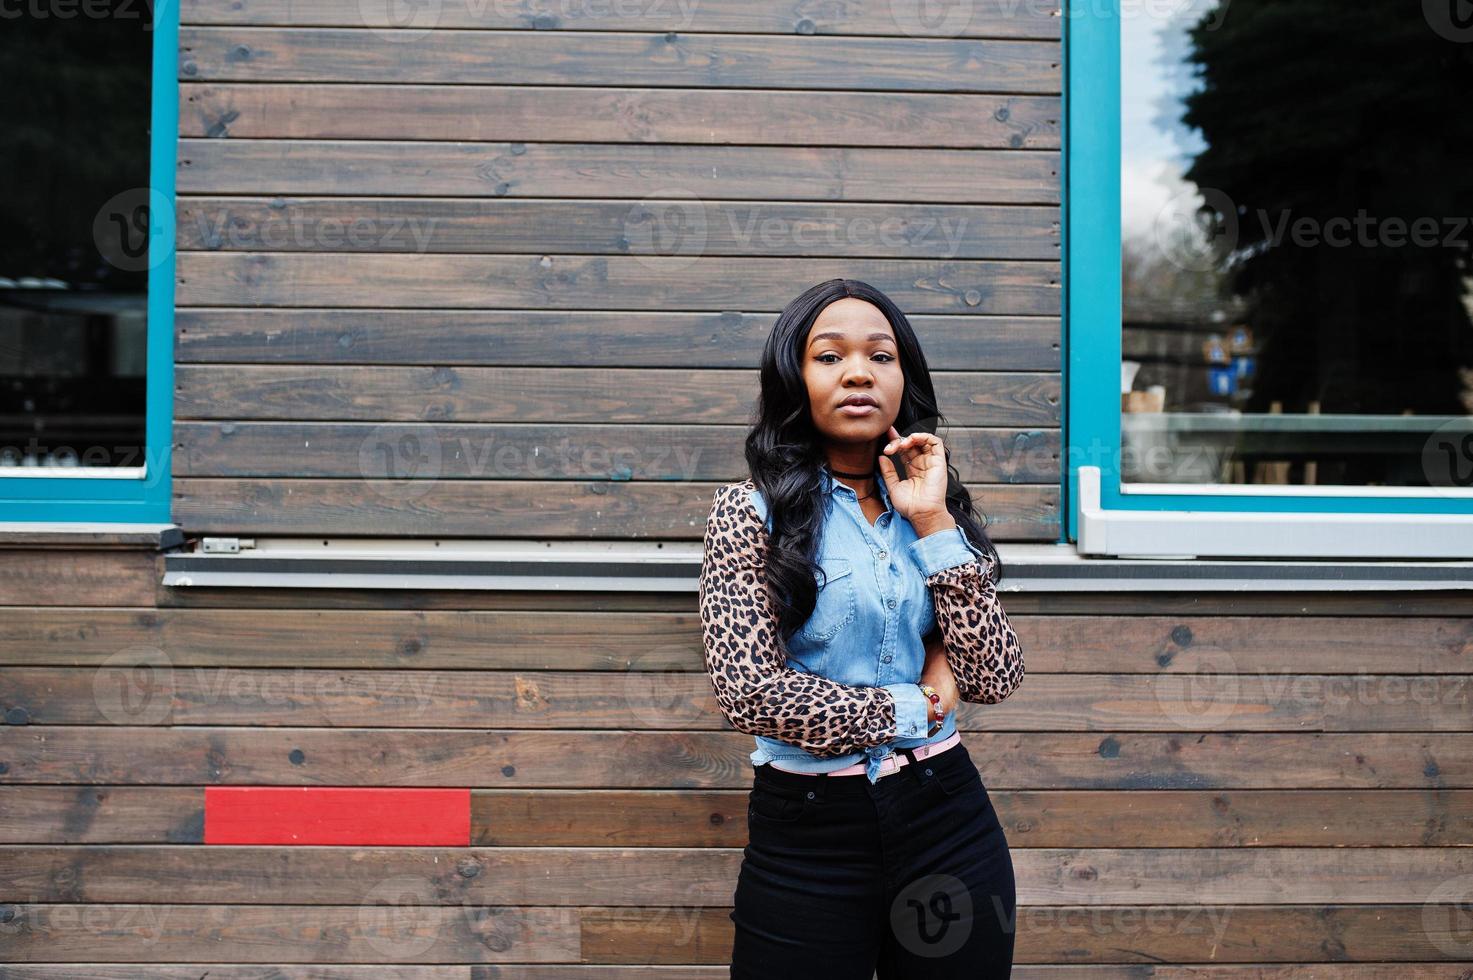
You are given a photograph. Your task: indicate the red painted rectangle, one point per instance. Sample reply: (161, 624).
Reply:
(337, 815)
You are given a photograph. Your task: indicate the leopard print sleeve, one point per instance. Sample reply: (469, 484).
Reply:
(755, 688)
(981, 646)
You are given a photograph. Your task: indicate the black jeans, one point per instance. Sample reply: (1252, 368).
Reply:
(906, 878)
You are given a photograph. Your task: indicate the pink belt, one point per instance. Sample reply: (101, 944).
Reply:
(891, 763)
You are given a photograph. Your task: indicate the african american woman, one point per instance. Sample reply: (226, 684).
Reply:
(848, 605)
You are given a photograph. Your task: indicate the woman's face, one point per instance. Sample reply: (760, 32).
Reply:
(852, 352)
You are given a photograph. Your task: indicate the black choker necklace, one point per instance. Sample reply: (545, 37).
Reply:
(852, 476)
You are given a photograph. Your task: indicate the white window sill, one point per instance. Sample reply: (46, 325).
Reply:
(1319, 537)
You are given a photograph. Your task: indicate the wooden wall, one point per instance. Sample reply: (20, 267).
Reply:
(504, 269)
(1195, 787)
(529, 259)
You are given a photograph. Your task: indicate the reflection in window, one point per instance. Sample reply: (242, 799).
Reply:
(74, 258)
(1297, 225)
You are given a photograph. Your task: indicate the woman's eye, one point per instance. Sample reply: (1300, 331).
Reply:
(887, 357)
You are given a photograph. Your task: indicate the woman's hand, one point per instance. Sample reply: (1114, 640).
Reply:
(921, 496)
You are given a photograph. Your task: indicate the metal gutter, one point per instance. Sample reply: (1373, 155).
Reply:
(623, 566)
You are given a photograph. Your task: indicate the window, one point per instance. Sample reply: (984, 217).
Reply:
(86, 271)
(1270, 292)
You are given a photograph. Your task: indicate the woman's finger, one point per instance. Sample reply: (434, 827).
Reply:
(921, 444)
(914, 448)
(887, 471)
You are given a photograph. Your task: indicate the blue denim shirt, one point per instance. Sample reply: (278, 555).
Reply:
(870, 619)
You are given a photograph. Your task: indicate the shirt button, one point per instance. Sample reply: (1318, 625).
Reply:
(884, 555)
(885, 658)
(891, 603)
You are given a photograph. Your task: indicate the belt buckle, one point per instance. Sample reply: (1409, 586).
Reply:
(892, 758)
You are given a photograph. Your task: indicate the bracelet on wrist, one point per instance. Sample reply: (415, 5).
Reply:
(935, 699)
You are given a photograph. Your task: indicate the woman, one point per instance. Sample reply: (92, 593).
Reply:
(846, 610)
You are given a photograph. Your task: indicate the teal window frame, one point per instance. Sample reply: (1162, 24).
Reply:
(1092, 305)
(136, 499)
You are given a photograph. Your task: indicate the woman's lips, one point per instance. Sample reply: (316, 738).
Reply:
(858, 410)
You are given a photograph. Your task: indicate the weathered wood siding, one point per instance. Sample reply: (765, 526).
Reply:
(1194, 786)
(528, 260)
(438, 279)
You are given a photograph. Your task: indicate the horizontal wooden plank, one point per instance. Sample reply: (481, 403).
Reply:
(1367, 605)
(147, 690)
(257, 110)
(518, 508)
(536, 971)
(233, 971)
(619, 170)
(618, 877)
(717, 817)
(462, 876)
(431, 226)
(442, 639)
(383, 925)
(387, 931)
(591, 637)
(646, 339)
(105, 577)
(102, 814)
(1031, 818)
(561, 396)
(494, 758)
(542, 971)
(462, 451)
(619, 57)
(978, 18)
(607, 282)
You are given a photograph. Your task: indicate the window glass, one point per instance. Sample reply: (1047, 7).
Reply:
(74, 258)
(1297, 221)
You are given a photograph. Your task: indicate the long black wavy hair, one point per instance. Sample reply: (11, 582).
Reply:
(785, 454)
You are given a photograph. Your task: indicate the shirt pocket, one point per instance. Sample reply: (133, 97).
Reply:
(836, 605)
